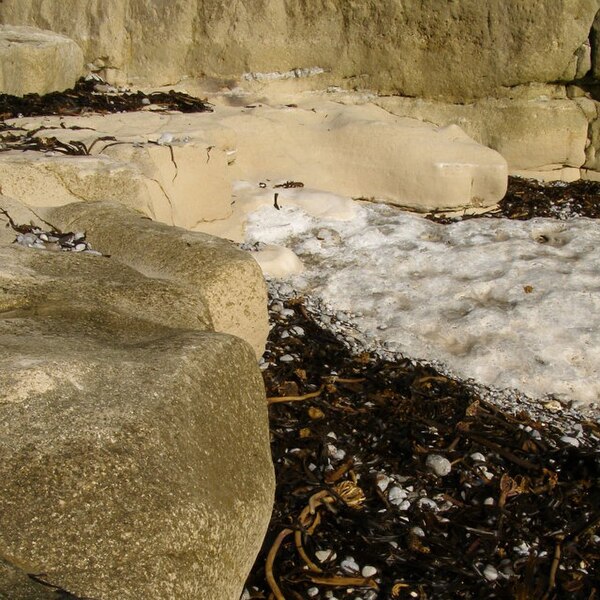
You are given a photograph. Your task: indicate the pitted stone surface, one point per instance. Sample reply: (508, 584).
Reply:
(37, 61)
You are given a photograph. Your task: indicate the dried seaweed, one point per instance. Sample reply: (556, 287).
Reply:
(515, 517)
(527, 198)
(88, 96)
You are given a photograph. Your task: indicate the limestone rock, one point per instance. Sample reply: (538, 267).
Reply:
(173, 168)
(538, 133)
(454, 50)
(363, 151)
(228, 280)
(37, 61)
(134, 453)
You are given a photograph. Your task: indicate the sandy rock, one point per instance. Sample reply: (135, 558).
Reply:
(173, 168)
(228, 280)
(364, 151)
(538, 133)
(496, 43)
(38, 179)
(134, 455)
(37, 61)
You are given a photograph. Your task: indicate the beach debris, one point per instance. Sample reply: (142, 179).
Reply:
(516, 516)
(54, 240)
(92, 94)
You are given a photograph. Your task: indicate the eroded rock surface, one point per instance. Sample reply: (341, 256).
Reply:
(134, 453)
(454, 50)
(37, 61)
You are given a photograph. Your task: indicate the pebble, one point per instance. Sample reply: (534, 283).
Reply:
(396, 495)
(427, 503)
(349, 565)
(490, 573)
(570, 440)
(477, 457)
(418, 532)
(439, 465)
(489, 502)
(312, 591)
(325, 555)
(368, 571)
(335, 453)
(286, 358)
(383, 481)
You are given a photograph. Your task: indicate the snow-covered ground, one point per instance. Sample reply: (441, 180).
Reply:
(510, 304)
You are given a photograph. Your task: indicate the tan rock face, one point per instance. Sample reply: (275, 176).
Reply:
(537, 133)
(37, 61)
(454, 50)
(134, 453)
(228, 281)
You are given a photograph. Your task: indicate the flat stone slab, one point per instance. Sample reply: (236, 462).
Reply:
(37, 61)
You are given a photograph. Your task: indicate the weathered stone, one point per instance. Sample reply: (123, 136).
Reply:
(454, 50)
(173, 168)
(37, 61)
(228, 280)
(364, 151)
(540, 133)
(134, 454)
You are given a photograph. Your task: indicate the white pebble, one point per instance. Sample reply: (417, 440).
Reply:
(490, 573)
(325, 555)
(383, 481)
(312, 591)
(438, 464)
(418, 532)
(489, 502)
(427, 503)
(286, 358)
(477, 457)
(349, 565)
(368, 571)
(570, 440)
(396, 495)
(335, 453)
(404, 505)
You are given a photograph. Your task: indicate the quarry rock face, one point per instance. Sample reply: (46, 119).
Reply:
(134, 443)
(450, 50)
(37, 61)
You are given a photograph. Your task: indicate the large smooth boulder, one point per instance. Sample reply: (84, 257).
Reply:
(37, 61)
(134, 445)
(228, 280)
(534, 129)
(455, 50)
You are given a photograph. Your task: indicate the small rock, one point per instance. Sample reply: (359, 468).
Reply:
(439, 465)
(286, 358)
(418, 532)
(325, 555)
(396, 495)
(477, 457)
(428, 504)
(368, 571)
(566, 439)
(490, 573)
(349, 565)
(312, 592)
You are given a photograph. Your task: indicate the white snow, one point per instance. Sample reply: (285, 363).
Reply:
(510, 304)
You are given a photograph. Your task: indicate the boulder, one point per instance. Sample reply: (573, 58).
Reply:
(452, 50)
(226, 279)
(134, 446)
(537, 129)
(37, 61)
(365, 152)
(173, 168)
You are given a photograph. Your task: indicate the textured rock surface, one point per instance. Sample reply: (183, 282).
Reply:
(228, 280)
(134, 454)
(37, 61)
(451, 49)
(363, 151)
(536, 130)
